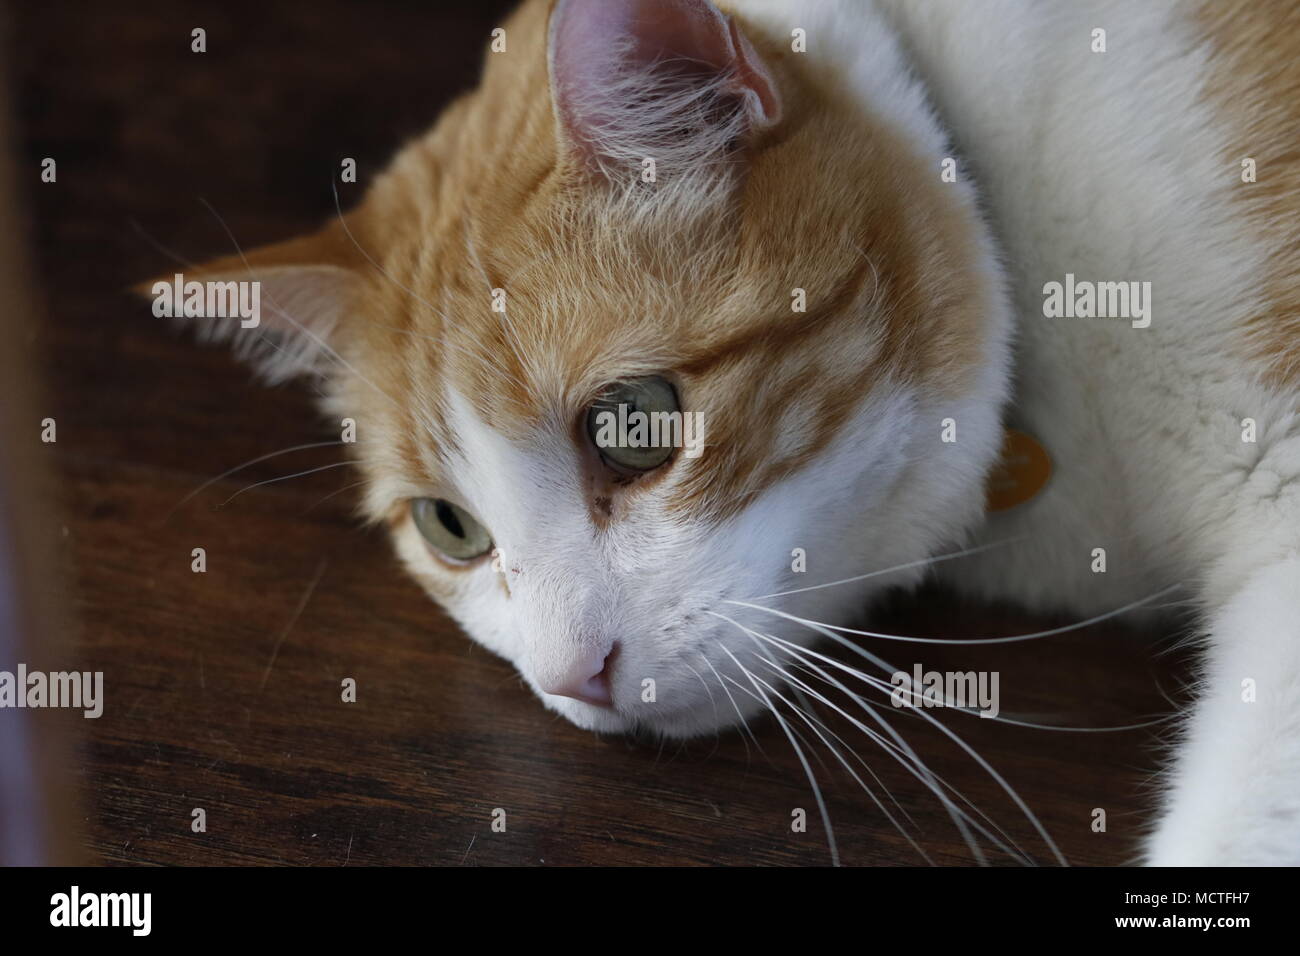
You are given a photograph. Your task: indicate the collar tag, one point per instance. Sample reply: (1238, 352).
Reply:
(1020, 474)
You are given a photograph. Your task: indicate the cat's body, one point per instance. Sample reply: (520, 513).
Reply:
(1120, 166)
(827, 429)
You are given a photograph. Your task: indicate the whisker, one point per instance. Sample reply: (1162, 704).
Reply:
(900, 750)
(339, 491)
(707, 689)
(957, 815)
(847, 766)
(226, 474)
(812, 779)
(1061, 728)
(302, 603)
(898, 567)
(951, 704)
(911, 762)
(271, 481)
(158, 246)
(1080, 625)
(798, 685)
(970, 751)
(745, 730)
(1000, 718)
(802, 739)
(717, 734)
(875, 289)
(801, 688)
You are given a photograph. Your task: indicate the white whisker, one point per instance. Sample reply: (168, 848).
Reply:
(900, 750)
(801, 712)
(717, 734)
(954, 640)
(744, 726)
(798, 686)
(898, 567)
(812, 779)
(984, 764)
(958, 816)
(271, 481)
(226, 474)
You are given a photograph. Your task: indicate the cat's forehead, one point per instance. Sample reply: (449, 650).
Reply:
(551, 309)
(772, 385)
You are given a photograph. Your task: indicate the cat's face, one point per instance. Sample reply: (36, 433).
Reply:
(796, 281)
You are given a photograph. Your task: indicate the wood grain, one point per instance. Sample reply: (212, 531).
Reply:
(220, 695)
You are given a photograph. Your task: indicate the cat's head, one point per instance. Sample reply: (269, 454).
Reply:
(652, 204)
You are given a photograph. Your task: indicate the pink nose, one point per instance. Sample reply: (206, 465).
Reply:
(587, 679)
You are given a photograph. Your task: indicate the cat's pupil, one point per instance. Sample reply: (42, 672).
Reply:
(448, 518)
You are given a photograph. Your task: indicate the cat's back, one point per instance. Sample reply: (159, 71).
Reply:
(1254, 86)
(1152, 147)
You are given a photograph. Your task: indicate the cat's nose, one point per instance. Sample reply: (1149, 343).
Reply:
(585, 679)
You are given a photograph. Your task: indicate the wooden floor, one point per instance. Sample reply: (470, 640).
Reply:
(223, 688)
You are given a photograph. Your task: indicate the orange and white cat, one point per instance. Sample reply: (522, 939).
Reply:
(827, 229)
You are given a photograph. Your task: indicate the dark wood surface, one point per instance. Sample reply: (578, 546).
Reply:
(223, 688)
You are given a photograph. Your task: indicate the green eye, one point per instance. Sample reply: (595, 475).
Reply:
(450, 529)
(634, 425)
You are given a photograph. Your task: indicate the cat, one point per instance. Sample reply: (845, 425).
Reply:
(830, 230)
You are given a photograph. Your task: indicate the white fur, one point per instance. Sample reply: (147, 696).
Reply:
(1110, 166)
(1230, 802)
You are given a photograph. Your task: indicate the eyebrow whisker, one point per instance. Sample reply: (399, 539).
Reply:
(271, 481)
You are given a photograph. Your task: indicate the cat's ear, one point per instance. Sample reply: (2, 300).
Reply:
(673, 81)
(279, 307)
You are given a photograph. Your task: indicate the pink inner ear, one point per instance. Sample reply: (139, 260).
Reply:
(753, 78)
(596, 43)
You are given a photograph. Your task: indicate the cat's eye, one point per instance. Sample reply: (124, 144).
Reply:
(449, 529)
(635, 424)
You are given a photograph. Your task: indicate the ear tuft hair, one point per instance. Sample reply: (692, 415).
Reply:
(301, 293)
(302, 307)
(673, 81)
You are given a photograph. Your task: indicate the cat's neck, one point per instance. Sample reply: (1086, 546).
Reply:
(1054, 122)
